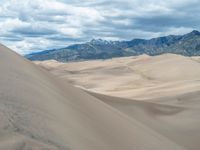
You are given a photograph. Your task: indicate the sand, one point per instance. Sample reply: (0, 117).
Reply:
(138, 77)
(178, 121)
(41, 111)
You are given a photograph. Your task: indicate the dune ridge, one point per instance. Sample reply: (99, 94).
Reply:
(138, 77)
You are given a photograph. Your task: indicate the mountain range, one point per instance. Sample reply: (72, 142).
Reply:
(187, 45)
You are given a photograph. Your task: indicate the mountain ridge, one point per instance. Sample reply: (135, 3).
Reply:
(187, 45)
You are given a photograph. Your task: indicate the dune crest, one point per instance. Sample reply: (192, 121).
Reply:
(138, 77)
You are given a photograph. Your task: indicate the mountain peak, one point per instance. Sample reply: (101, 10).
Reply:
(99, 41)
(195, 32)
(104, 49)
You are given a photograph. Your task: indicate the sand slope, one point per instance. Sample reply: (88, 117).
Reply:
(41, 112)
(140, 77)
(178, 121)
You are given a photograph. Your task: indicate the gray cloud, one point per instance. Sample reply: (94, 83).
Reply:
(32, 31)
(32, 25)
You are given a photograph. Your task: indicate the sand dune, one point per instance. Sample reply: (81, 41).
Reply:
(169, 86)
(178, 121)
(196, 58)
(140, 77)
(39, 111)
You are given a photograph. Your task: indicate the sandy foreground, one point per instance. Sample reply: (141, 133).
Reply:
(41, 111)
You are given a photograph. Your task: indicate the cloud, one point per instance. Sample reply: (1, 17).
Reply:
(33, 25)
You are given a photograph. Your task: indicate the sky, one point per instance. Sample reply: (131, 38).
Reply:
(28, 26)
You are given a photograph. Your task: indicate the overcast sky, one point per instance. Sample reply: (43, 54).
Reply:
(33, 25)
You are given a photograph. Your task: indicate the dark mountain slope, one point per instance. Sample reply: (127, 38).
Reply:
(187, 45)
